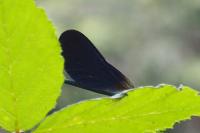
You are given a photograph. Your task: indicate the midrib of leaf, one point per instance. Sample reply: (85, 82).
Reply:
(12, 89)
(9, 70)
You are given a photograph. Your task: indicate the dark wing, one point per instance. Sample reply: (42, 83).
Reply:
(88, 68)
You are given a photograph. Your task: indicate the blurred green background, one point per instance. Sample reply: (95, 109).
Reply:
(150, 41)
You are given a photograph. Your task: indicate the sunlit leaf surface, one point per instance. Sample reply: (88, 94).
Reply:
(144, 110)
(30, 65)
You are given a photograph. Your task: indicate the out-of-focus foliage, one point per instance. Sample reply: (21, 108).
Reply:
(30, 64)
(148, 109)
(151, 41)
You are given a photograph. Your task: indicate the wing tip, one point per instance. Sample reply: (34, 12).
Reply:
(124, 85)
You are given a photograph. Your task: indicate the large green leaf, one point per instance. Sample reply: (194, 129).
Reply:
(144, 110)
(30, 64)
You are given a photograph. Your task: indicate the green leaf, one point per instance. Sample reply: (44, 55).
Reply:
(30, 64)
(148, 109)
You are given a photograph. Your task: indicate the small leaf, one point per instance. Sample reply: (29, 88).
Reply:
(30, 64)
(144, 110)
